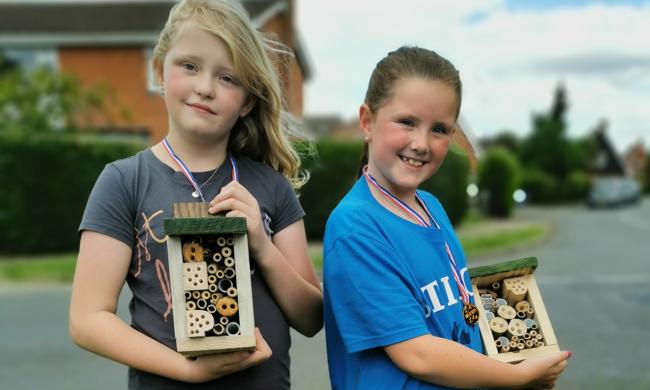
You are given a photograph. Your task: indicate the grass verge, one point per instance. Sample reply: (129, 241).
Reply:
(478, 239)
(46, 268)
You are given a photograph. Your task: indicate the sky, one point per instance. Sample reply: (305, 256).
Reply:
(511, 54)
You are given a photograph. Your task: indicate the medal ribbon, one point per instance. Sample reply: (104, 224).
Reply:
(417, 217)
(188, 175)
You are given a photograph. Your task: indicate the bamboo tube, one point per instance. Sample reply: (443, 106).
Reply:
(221, 241)
(190, 305)
(507, 312)
(211, 309)
(220, 274)
(500, 302)
(229, 273)
(188, 295)
(529, 323)
(205, 295)
(232, 329)
(504, 340)
(498, 326)
(514, 290)
(513, 346)
(516, 327)
(521, 315)
(230, 241)
(526, 336)
(229, 262)
(532, 333)
(216, 257)
(539, 344)
(232, 292)
(212, 287)
(521, 346)
(505, 348)
(539, 337)
(218, 329)
(522, 306)
(224, 320)
(212, 269)
(212, 279)
(196, 294)
(530, 312)
(529, 344)
(215, 297)
(226, 252)
(201, 303)
(224, 285)
(496, 285)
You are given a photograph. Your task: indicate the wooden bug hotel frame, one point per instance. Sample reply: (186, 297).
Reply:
(513, 321)
(210, 281)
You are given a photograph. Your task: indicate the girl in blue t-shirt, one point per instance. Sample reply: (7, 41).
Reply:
(227, 144)
(397, 296)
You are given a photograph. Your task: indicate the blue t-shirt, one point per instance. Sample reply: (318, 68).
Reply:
(388, 280)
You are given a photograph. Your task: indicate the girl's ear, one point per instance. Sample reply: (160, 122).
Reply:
(365, 121)
(248, 105)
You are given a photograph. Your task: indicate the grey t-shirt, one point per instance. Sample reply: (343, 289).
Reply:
(129, 202)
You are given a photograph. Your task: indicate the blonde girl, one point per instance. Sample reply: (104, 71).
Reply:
(226, 145)
(397, 304)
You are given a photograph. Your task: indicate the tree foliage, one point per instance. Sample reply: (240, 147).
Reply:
(42, 100)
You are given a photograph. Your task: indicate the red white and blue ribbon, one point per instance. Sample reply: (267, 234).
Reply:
(417, 217)
(188, 175)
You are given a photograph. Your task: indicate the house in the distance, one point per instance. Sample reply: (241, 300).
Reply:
(110, 43)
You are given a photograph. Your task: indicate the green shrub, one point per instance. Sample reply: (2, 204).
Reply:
(576, 186)
(540, 186)
(498, 177)
(334, 171)
(45, 181)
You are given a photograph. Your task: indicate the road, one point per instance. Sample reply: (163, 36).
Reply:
(594, 275)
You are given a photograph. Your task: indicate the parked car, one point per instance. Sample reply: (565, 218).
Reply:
(612, 192)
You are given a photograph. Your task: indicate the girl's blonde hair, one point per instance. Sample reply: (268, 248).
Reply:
(261, 135)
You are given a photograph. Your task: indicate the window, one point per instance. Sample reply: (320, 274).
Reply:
(31, 58)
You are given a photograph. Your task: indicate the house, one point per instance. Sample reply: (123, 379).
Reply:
(635, 160)
(111, 42)
(607, 161)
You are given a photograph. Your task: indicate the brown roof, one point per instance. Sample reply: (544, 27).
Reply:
(95, 17)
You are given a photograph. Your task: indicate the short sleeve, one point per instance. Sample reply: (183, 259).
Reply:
(288, 209)
(373, 302)
(107, 210)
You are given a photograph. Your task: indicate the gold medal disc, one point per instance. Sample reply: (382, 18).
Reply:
(470, 313)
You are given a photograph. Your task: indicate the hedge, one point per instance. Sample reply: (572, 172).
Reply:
(498, 177)
(333, 171)
(45, 181)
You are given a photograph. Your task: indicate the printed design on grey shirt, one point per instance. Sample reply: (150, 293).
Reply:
(142, 251)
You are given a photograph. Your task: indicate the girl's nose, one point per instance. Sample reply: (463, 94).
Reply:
(204, 87)
(419, 141)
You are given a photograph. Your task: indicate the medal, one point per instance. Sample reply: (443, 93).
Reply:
(196, 194)
(470, 314)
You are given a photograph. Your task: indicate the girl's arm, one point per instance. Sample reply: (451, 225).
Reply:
(283, 261)
(447, 363)
(102, 266)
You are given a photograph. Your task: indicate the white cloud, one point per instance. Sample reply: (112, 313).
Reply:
(510, 62)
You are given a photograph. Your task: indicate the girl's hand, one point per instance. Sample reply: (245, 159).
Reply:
(210, 367)
(545, 370)
(235, 200)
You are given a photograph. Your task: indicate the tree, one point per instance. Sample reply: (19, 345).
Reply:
(548, 148)
(42, 100)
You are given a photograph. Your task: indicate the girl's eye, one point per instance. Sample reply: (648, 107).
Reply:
(189, 66)
(229, 79)
(406, 122)
(440, 129)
